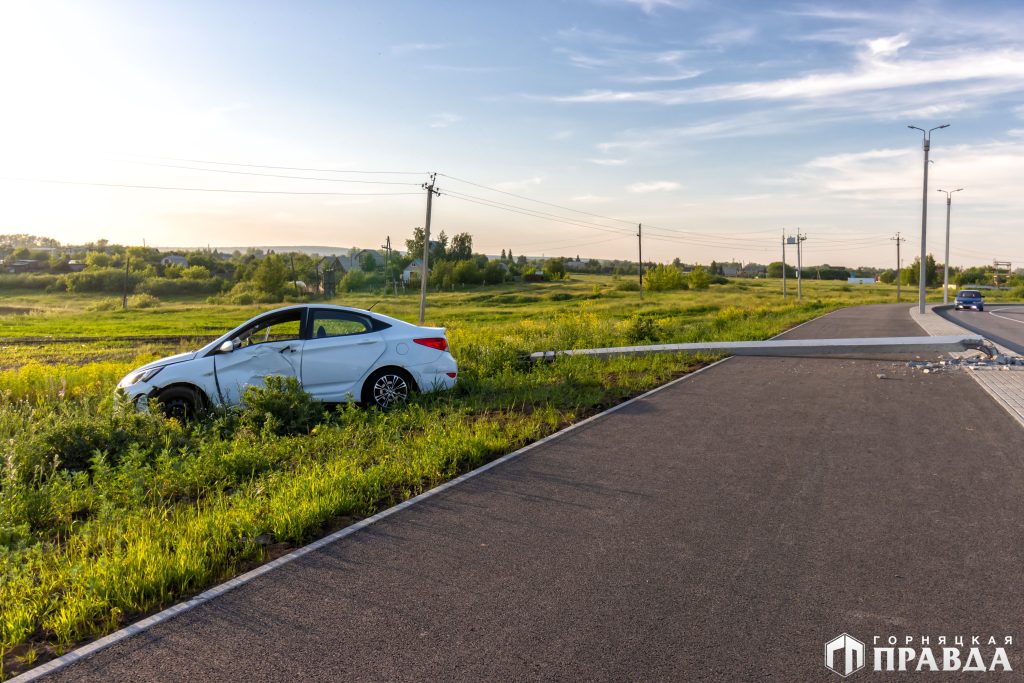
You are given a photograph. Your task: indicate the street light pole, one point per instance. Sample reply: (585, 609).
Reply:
(926, 142)
(945, 266)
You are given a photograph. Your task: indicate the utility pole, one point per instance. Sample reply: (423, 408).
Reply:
(897, 239)
(124, 290)
(926, 144)
(387, 260)
(426, 245)
(783, 265)
(295, 280)
(799, 265)
(945, 266)
(640, 252)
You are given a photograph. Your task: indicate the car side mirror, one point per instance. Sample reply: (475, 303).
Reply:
(227, 347)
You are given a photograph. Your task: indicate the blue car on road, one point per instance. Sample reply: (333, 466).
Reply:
(970, 298)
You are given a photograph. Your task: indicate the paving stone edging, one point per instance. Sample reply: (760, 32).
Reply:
(1003, 383)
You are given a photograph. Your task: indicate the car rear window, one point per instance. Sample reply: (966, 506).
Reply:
(970, 294)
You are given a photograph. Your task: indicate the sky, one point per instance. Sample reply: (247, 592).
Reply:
(555, 127)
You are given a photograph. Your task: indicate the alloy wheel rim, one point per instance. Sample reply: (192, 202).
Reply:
(389, 390)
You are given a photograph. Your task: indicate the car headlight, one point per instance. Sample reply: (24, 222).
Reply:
(140, 376)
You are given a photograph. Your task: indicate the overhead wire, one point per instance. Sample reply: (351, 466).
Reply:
(287, 168)
(529, 212)
(205, 189)
(538, 201)
(277, 175)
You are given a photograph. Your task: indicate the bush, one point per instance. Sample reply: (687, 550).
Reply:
(627, 286)
(280, 407)
(467, 273)
(111, 280)
(72, 440)
(174, 287)
(640, 328)
(143, 301)
(29, 281)
(663, 278)
(699, 278)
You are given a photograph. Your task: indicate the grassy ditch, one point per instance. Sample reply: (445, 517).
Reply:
(108, 514)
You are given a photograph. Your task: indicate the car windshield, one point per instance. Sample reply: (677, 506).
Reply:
(969, 294)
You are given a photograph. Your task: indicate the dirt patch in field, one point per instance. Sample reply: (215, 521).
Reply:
(15, 310)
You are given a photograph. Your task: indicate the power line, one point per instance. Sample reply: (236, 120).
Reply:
(206, 189)
(538, 201)
(288, 168)
(562, 244)
(276, 175)
(531, 213)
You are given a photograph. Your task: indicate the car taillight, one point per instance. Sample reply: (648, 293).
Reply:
(439, 343)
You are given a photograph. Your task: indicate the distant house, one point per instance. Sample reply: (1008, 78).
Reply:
(174, 260)
(731, 269)
(414, 268)
(535, 276)
(76, 266)
(24, 265)
(330, 270)
(754, 270)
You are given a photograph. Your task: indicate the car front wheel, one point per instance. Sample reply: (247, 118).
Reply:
(387, 388)
(181, 403)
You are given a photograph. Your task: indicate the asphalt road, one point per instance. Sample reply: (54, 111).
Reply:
(722, 529)
(1001, 323)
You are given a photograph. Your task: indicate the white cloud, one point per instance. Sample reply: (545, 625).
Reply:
(650, 6)
(1002, 69)
(562, 135)
(887, 47)
(728, 37)
(934, 110)
(608, 162)
(654, 186)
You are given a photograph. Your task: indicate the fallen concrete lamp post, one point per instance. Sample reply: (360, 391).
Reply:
(792, 347)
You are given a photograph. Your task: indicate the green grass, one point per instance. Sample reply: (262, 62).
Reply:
(106, 514)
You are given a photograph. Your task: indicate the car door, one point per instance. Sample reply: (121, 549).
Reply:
(341, 347)
(272, 345)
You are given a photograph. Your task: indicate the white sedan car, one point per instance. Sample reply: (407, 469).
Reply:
(337, 353)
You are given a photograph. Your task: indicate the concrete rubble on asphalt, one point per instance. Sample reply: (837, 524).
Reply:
(1004, 381)
(1000, 362)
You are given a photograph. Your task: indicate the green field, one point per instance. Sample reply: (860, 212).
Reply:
(106, 514)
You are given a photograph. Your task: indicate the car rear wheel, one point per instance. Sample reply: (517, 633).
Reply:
(387, 388)
(181, 403)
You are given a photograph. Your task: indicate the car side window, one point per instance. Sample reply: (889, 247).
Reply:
(286, 327)
(338, 324)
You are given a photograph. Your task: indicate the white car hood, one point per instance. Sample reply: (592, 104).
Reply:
(170, 360)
